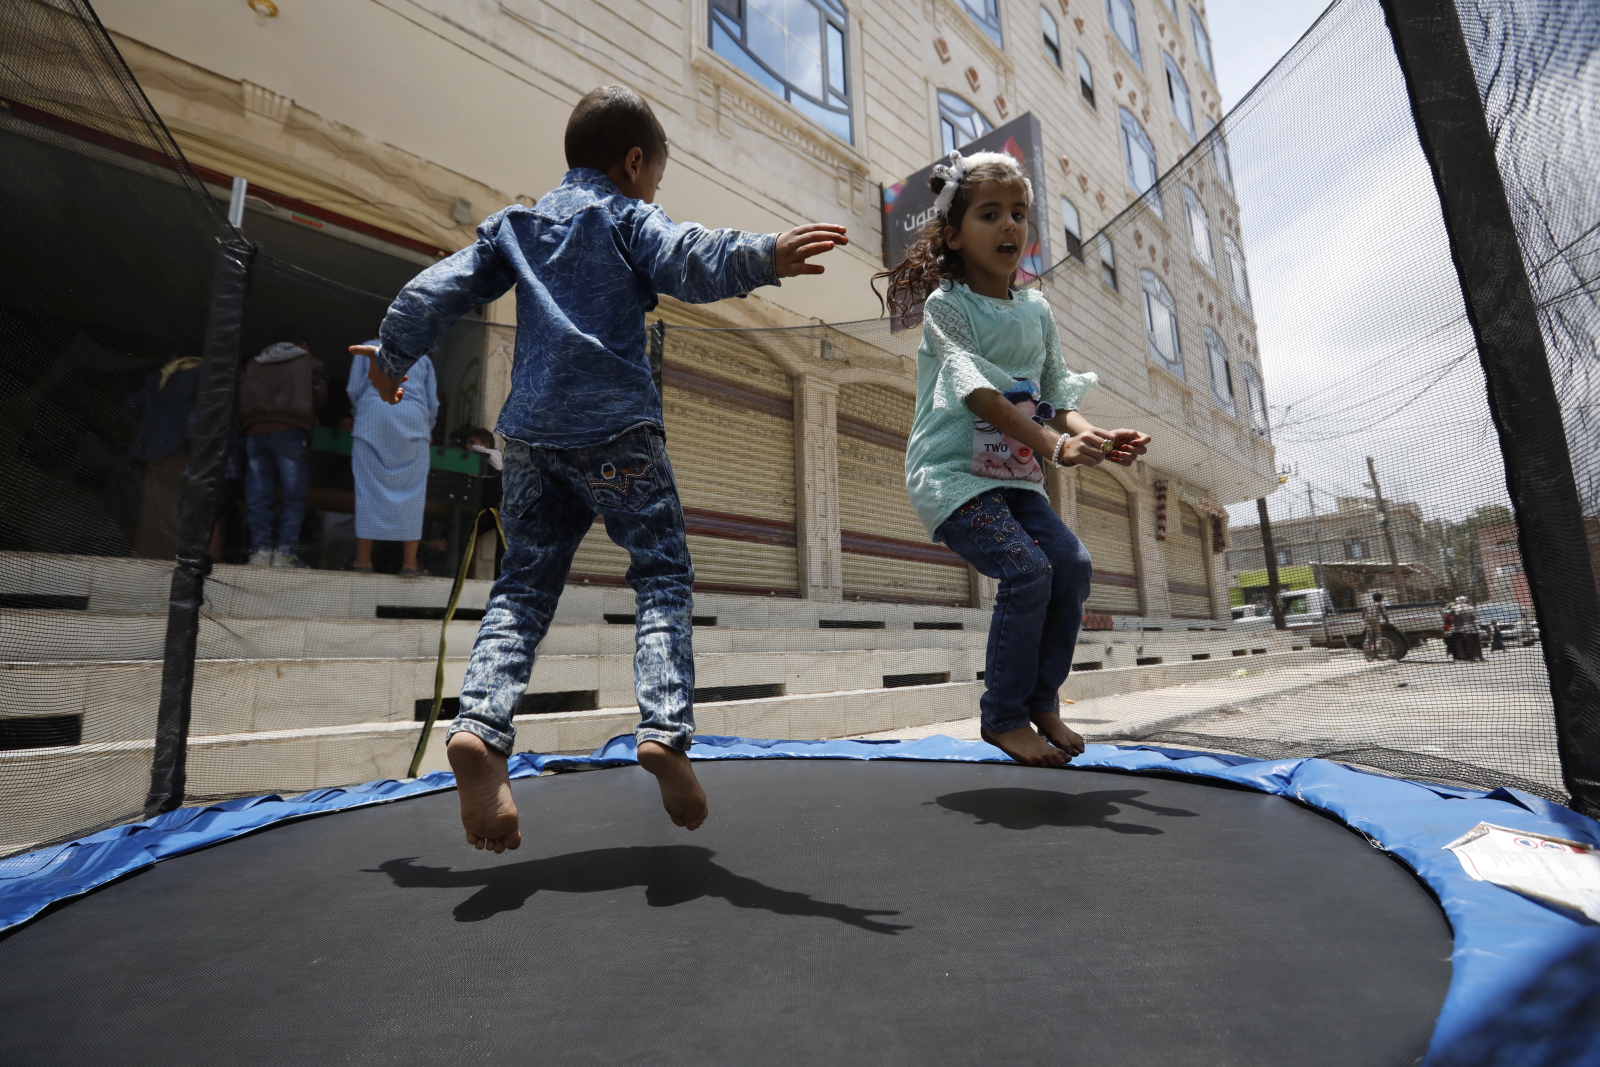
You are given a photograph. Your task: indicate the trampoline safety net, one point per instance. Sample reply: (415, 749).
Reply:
(1316, 299)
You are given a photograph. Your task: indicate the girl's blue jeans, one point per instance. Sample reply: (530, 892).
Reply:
(1044, 573)
(551, 496)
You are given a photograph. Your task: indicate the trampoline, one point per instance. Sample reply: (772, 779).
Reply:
(908, 902)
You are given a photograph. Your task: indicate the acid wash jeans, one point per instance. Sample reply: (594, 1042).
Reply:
(550, 500)
(1044, 573)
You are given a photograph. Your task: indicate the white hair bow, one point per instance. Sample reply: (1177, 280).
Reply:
(956, 167)
(952, 170)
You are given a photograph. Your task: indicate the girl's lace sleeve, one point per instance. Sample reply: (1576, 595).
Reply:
(1058, 386)
(961, 369)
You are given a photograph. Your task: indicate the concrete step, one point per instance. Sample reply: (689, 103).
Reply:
(36, 783)
(120, 586)
(118, 699)
(86, 636)
(293, 758)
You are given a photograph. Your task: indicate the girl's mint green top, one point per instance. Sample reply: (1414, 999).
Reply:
(977, 342)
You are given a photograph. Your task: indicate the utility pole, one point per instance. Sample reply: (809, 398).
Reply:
(1316, 539)
(1272, 565)
(1383, 524)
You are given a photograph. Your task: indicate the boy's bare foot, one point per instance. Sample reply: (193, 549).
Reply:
(488, 813)
(1027, 747)
(1059, 733)
(681, 794)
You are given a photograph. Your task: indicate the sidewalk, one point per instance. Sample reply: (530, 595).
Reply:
(1116, 716)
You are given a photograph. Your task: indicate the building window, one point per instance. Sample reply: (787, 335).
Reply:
(1126, 27)
(796, 48)
(1178, 93)
(1256, 397)
(1073, 226)
(1219, 153)
(1202, 42)
(960, 123)
(1199, 230)
(1221, 371)
(1085, 79)
(1283, 557)
(1052, 36)
(1140, 156)
(1241, 284)
(1161, 323)
(985, 13)
(1108, 263)
(1355, 549)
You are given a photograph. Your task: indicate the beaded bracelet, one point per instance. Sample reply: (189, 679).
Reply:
(1055, 456)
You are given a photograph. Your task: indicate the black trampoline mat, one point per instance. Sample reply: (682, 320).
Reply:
(828, 913)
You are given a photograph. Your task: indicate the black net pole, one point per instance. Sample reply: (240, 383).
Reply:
(208, 456)
(1455, 138)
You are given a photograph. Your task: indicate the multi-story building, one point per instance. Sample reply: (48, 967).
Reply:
(1502, 566)
(376, 135)
(1347, 550)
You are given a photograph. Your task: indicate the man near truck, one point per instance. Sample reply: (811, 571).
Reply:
(1376, 617)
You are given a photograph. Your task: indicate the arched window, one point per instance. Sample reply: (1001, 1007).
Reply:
(1221, 372)
(1256, 398)
(1202, 42)
(1199, 230)
(1241, 284)
(1126, 27)
(796, 48)
(1072, 226)
(1161, 322)
(1140, 156)
(1178, 93)
(960, 123)
(1052, 35)
(1219, 153)
(985, 13)
(1086, 79)
(1108, 263)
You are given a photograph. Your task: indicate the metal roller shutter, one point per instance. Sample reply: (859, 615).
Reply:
(729, 415)
(886, 553)
(1187, 584)
(1105, 525)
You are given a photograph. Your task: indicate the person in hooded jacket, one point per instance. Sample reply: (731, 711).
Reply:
(279, 394)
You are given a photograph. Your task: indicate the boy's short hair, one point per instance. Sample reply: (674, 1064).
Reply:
(607, 124)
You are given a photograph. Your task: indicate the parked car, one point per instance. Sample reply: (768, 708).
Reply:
(1517, 627)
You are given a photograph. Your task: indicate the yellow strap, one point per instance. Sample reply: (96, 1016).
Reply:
(444, 630)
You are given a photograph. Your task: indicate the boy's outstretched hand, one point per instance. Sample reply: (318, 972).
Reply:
(803, 242)
(387, 387)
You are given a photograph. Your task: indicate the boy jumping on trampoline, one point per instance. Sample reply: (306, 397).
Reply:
(583, 428)
(995, 403)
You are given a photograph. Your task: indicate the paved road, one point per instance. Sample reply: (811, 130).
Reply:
(1480, 724)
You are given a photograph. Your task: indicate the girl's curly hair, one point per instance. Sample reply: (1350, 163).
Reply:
(929, 261)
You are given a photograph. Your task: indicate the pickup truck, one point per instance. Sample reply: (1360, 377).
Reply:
(1312, 614)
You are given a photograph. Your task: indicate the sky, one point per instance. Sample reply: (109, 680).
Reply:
(1364, 347)
(1249, 36)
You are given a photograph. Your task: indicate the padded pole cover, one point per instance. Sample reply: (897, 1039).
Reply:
(208, 457)
(1445, 102)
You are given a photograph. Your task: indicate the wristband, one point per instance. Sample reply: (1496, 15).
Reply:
(1055, 456)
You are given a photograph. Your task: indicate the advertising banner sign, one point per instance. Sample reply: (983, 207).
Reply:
(908, 205)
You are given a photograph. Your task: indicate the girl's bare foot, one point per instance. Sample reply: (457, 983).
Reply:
(681, 794)
(1027, 747)
(1059, 733)
(488, 813)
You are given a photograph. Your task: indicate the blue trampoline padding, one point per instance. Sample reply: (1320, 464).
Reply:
(1505, 943)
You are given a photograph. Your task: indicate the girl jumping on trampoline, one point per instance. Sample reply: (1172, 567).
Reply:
(583, 428)
(996, 404)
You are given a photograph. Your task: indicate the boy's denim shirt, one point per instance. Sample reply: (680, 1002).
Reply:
(587, 263)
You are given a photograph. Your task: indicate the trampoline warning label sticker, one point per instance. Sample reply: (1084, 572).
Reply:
(1550, 868)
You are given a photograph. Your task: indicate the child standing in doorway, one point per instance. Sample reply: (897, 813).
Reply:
(995, 404)
(583, 428)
